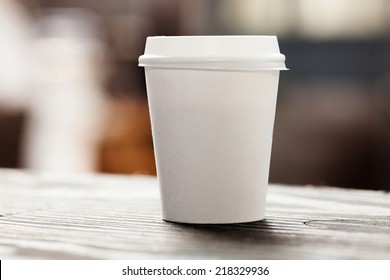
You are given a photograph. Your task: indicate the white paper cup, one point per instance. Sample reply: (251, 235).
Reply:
(212, 103)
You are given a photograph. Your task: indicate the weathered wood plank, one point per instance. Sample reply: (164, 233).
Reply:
(48, 216)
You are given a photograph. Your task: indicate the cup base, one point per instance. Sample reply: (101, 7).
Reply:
(241, 221)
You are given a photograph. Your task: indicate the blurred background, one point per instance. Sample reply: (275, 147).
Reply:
(73, 99)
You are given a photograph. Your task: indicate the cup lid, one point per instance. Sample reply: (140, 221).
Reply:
(243, 53)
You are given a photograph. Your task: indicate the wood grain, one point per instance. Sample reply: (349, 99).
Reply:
(54, 216)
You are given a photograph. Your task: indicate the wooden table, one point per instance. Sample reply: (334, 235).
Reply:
(49, 216)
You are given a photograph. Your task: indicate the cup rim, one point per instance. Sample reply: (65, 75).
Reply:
(222, 52)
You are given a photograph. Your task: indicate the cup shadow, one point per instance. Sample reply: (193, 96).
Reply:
(254, 240)
(241, 232)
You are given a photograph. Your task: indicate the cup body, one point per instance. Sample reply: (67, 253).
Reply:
(212, 133)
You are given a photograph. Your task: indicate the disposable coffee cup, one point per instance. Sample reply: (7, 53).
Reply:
(212, 104)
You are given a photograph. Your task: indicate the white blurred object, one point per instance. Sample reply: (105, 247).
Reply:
(67, 107)
(343, 19)
(312, 19)
(14, 36)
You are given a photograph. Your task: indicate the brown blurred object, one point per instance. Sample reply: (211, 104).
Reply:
(328, 134)
(11, 130)
(127, 145)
